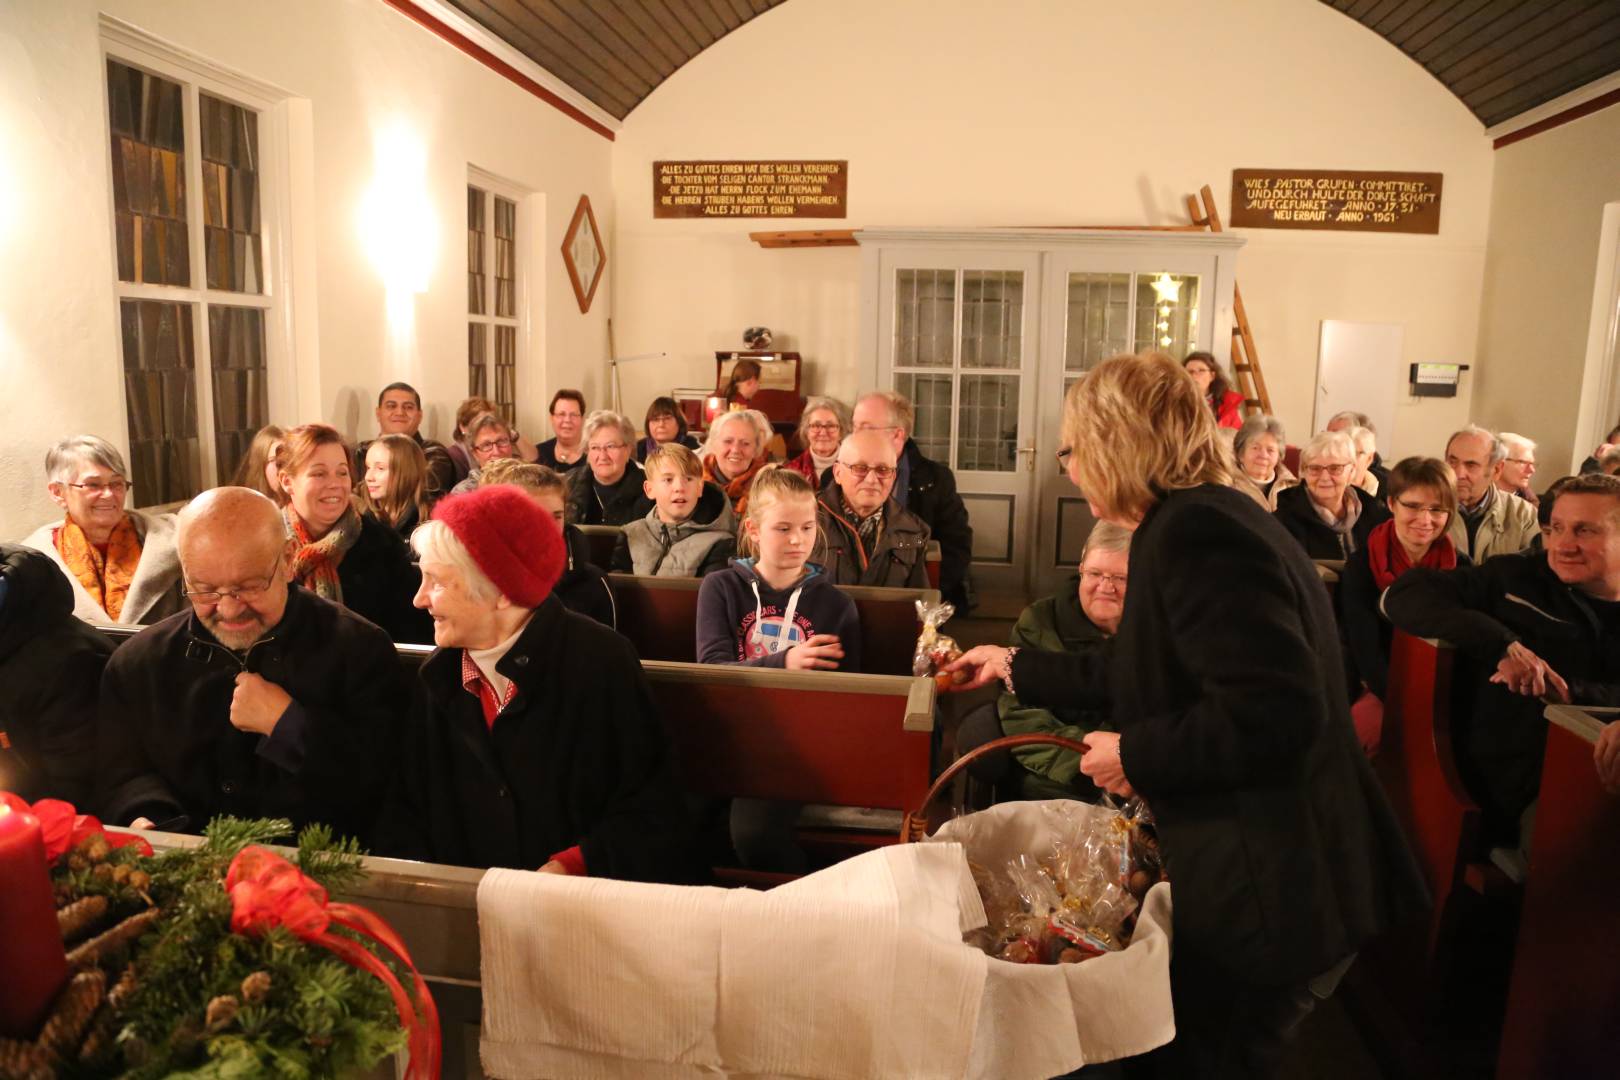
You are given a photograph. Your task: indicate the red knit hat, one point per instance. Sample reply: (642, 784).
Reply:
(515, 543)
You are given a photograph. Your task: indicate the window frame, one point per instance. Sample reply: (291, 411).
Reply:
(490, 187)
(197, 75)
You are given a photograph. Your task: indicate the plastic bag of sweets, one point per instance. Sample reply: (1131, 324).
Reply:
(935, 650)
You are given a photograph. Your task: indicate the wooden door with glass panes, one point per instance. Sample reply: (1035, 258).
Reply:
(1100, 304)
(959, 335)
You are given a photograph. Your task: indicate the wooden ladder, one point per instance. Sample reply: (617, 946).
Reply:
(1245, 360)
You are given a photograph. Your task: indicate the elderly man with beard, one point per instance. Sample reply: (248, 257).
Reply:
(262, 700)
(866, 537)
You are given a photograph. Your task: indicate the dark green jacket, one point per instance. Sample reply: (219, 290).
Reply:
(1054, 624)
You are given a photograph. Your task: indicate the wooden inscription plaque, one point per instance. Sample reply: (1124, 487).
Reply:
(729, 189)
(1405, 202)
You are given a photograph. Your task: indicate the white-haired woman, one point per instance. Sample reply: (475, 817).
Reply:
(735, 452)
(1233, 723)
(1258, 448)
(1366, 445)
(822, 427)
(1329, 517)
(122, 564)
(609, 489)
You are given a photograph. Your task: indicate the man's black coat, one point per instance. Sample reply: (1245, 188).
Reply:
(1228, 690)
(166, 746)
(577, 757)
(931, 495)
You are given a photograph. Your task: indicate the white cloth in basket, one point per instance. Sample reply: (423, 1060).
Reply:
(855, 972)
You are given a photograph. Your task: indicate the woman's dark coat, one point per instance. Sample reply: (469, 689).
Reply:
(583, 586)
(620, 504)
(577, 757)
(379, 582)
(1284, 855)
(1298, 515)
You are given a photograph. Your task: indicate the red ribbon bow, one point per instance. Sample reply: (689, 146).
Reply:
(63, 828)
(267, 890)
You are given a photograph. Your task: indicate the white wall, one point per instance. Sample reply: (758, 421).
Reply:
(1546, 210)
(1029, 112)
(360, 66)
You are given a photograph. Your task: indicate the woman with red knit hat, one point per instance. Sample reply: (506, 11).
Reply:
(539, 748)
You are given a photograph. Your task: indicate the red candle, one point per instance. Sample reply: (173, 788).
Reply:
(31, 953)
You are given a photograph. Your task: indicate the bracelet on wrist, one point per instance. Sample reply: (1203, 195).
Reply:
(1006, 669)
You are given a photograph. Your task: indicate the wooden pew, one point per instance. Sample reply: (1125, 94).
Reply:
(1563, 1016)
(601, 539)
(659, 616)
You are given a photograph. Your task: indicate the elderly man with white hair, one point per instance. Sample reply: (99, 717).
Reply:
(121, 563)
(1488, 522)
(607, 489)
(866, 538)
(540, 748)
(262, 700)
(1518, 467)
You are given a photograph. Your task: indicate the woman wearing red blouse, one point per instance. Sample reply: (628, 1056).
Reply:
(1226, 402)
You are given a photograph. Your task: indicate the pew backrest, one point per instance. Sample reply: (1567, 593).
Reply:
(659, 616)
(601, 540)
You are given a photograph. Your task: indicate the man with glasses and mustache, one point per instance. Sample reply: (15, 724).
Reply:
(866, 537)
(120, 563)
(262, 700)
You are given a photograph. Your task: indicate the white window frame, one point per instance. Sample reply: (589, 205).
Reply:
(128, 45)
(491, 185)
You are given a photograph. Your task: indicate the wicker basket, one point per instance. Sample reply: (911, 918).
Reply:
(915, 826)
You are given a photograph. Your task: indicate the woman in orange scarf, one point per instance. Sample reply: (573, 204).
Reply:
(735, 453)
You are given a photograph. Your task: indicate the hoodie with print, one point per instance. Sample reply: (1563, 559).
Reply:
(742, 620)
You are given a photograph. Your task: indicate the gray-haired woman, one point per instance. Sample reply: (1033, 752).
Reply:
(1258, 448)
(122, 564)
(1328, 517)
(609, 488)
(822, 427)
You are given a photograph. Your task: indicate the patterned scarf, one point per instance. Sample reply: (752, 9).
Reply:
(1387, 558)
(737, 489)
(315, 565)
(105, 577)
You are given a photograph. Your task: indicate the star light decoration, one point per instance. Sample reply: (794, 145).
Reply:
(1169, 292)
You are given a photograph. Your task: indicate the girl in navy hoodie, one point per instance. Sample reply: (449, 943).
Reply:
(774, 608)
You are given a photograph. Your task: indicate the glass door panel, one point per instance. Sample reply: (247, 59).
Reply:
(1098, 326)
(1167, 313)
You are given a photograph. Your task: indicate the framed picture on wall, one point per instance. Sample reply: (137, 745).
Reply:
(584, 254)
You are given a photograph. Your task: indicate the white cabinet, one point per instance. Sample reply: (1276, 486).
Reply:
(984, 330)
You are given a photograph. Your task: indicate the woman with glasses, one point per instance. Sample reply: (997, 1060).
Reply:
(1232, 723)
(1421, 500)
(1225, 404)
(865, 537)
(1328, 517)
(609, 489)
(664, 423)
(487, 438)
(822, 426)
(121, 563)
(567, 448)
(340, 554)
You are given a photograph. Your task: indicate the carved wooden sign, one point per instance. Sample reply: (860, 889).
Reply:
(728, 189)
(1406, 202)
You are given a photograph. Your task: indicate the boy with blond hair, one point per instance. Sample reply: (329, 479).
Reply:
(690, 531)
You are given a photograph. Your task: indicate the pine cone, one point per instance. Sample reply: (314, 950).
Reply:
(102, 872)
(95, 848)
(123, 988)
(99, 1040)
(98, 948)
(140, 880)
(71, 1015)
(256, 987)
(25, 1061)
(77, 918)
(221, 1012)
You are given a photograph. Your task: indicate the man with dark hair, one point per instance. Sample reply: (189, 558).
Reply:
(399, 412)
(1548, 621)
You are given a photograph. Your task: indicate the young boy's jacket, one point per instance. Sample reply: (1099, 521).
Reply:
(742, 620)
(698, 546)
(898, 558)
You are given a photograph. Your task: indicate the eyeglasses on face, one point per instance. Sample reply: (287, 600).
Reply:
(1097, 577)
(1421, 508)
(118, 488)
(1330, 470)
(1521, 461)
(861, 472)
(492, 444)
(1064, 453)
(823, 428)
(604, 448)
(245, 593)
(877, 427)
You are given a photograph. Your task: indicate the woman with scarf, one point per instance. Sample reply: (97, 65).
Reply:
(735, 453)
(121, 564)
(1422, 500)
(1328, 517)
(822, 427)
(338, 553)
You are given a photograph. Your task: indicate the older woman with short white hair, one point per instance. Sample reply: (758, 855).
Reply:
(735, 453)
(609, 489)
(1258, 448)
(1329, 517)
(1366, 444)
(122, 564)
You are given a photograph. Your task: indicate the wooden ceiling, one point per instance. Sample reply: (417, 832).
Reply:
(1501, 57)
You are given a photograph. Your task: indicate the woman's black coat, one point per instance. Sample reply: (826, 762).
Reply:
(379, 583)
(1284, 855)
(1298, 515)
